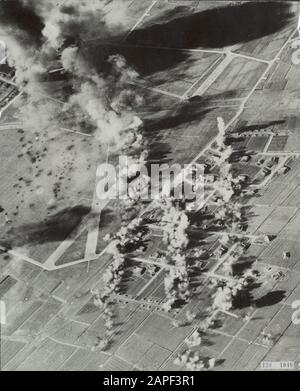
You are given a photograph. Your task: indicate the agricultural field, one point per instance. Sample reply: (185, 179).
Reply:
(221, 96)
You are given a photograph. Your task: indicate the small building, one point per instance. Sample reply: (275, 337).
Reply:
(242, 227)
(210, 178)
(245, 158)
(284, 170)
(266, 171)
(269, 238)
(207, 167)
(260, 162)
(243, 177)
(275, 159)
(221, 250)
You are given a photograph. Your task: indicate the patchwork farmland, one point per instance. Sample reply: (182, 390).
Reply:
(56, 248)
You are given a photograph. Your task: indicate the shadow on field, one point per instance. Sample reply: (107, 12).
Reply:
(243, 264)
(213, 28)
(218, 27)
(168, 123)
(249, 128)
(270, 299)
(146, 61)
(54, 229)
(155, 129)
(245, 298)
(21, 20)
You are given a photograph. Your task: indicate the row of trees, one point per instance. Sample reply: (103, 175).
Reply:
(227, 216)
(174, 224)
(230, 215)
(121, 242)
(193, 361)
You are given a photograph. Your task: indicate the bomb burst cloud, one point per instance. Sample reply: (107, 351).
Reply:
(63, 31)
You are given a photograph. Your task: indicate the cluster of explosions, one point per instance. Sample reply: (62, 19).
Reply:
(62, 32)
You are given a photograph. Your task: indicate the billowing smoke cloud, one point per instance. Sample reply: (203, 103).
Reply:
(101, 94)
(106, 99)
(20, 21)
(79, 19)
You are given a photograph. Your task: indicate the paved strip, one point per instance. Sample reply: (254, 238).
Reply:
(146, 13)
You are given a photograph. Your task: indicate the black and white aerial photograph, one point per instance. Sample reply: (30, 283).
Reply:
(149, 188)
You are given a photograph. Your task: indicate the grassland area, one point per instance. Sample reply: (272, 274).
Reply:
(197, 61)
